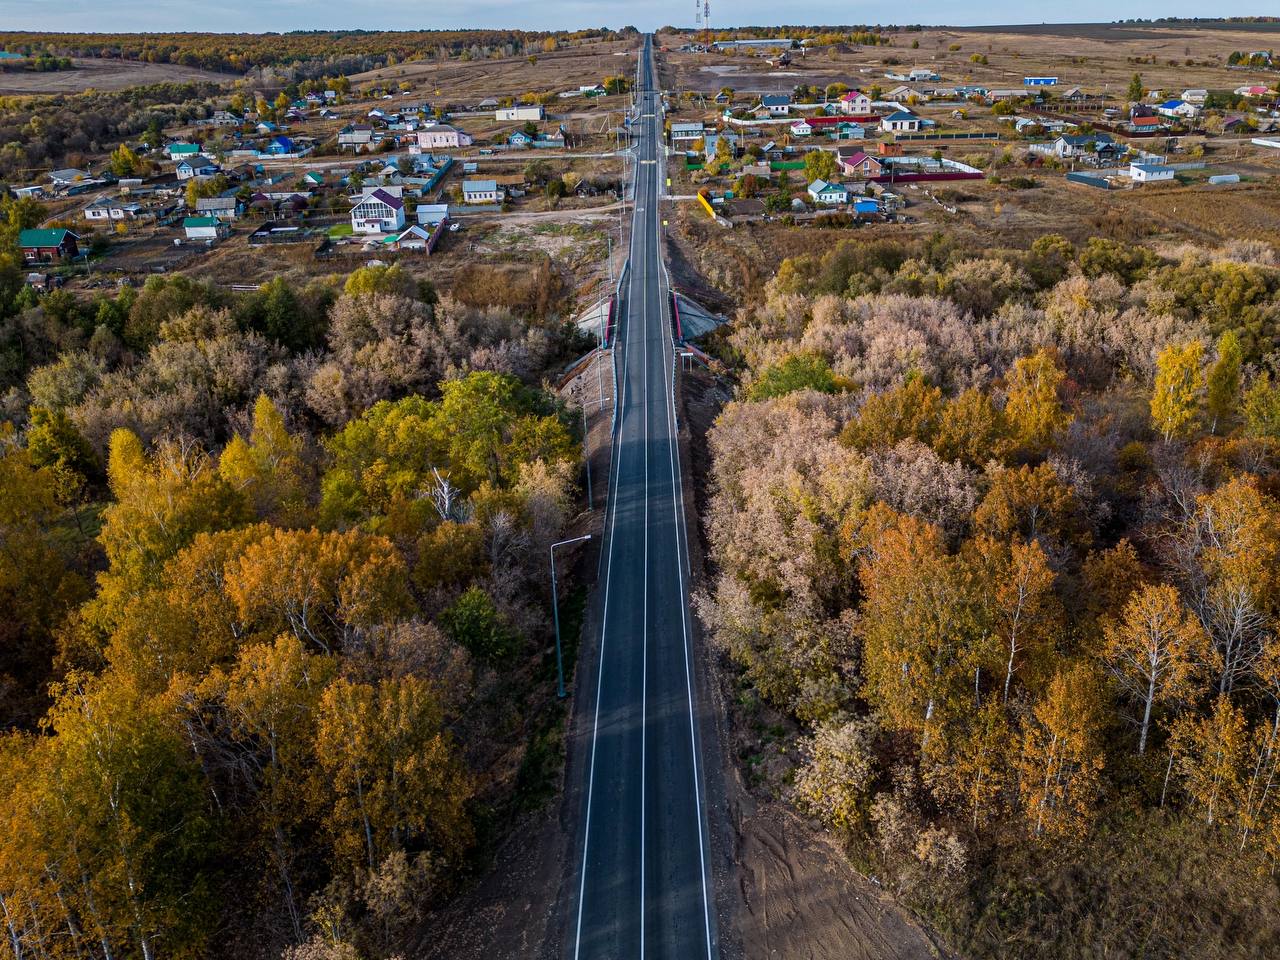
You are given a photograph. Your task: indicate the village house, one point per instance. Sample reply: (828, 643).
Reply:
(520, 113)
(481, 191)
(1150, 172)
(203, 228)
(48, 246)
(379, 210)
(429, 214)
(1073, 144)
(855, 103)
(826, 194)
(801, 128)
(183, 151)
(1251, 90)
(1146, 124)
(1197, 96)
(850, 131)
(224, 208)
(196, 169)
(413, 238)
(109, 208)
(225, 118)
(774, 105)
(441, 135)
(1178, 109)
(900, 122)
(857, 163)
(683, 134)
(357, 136)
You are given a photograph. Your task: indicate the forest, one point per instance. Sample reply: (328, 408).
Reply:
(275, 669)
(994, 539)
(240, 52)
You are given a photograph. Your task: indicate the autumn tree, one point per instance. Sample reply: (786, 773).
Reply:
(1061, 761)
(390, 780)
(1210, 757)
(912, 410)
(323, 588)
(1176, 395)
(1222, 395)
(1155, 652)
(269, 469)
(917, 625)
(1032, 409)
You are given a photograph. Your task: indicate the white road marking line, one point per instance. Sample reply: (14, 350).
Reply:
(604, 622)
(677, 507)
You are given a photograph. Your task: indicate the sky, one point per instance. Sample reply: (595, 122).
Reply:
(283, 15)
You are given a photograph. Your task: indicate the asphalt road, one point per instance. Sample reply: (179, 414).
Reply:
(643, 883)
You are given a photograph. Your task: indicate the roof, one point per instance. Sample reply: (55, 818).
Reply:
(1171, 104)
(1151, 167)
(1146, 122)
(382, 196)
(775, 100)
(479, 186)
(900, 116)
(686, 127)
(853, 95)
(43, 238)
(821, 186)
(190, 222)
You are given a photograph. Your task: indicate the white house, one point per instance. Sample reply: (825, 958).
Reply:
(900, 122)
(183, 151)
(202, 228)
(684, 133)
(481, 191)
(1178, 109)
(855, 103)
(442, 135)
(378, 210)
(775, 104)
(1195, 96)
(195, 169)
(828, 194)
(1149, 172)
(225, 118)
(414, 238)
(107, 208)
(922, 73)
(524, 112)
(801, 128)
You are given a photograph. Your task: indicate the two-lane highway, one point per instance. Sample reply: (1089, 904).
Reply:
(643, 887)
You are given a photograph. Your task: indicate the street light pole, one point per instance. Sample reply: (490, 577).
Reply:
(586, 450)
(555, 612)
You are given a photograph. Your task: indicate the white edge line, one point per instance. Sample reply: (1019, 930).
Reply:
(595, 729)
(677, 507)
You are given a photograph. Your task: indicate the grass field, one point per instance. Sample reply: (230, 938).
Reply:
(104, 75)
(1098, 57)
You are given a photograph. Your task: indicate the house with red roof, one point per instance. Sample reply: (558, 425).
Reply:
(855, 103)
(858, 163)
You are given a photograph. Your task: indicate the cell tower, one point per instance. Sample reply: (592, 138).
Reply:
(706, 18)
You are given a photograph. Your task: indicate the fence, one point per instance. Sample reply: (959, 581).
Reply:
(918, 137)
(1089, 180)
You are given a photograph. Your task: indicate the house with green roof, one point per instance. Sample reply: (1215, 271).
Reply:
(203, 228)
(181, 151)
(48, 246)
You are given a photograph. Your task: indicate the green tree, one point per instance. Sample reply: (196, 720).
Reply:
(800, 371)
(124, 162)
(1136, 90)
(820, 165)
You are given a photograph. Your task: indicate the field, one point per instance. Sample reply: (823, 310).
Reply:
(512, 76)
(1097, 57)
(104, 75)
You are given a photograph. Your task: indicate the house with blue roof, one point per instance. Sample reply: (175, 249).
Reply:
(900, 122)
(826, 194)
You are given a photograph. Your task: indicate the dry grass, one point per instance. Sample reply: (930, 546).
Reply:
(104, 75)
(1094, 56)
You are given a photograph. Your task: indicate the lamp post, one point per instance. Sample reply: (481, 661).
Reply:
(555, 612)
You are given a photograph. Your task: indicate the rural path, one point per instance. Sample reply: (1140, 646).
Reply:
(643, 885)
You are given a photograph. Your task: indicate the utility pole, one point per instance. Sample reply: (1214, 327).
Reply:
(555, 612)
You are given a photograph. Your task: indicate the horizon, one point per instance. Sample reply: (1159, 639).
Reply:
(285, 16)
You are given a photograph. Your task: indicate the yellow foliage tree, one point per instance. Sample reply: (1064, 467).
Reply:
(1179, 382)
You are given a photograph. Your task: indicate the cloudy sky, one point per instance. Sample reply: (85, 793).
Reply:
(281, 15)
